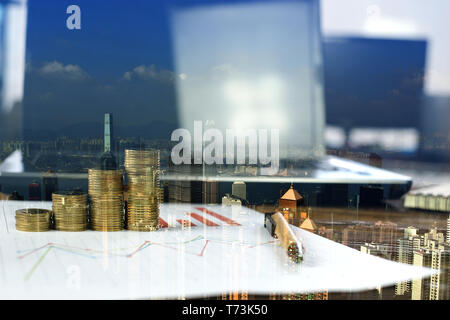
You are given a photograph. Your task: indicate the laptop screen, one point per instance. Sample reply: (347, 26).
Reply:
(251, 65)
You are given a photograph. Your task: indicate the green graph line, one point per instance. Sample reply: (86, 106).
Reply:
(143, 246)
(41, 258)
(29, 274)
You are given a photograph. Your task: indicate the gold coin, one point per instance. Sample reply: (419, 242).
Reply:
(70, 211)
(33, 220)
(144, 194)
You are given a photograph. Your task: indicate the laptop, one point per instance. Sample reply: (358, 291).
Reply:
(251, 65)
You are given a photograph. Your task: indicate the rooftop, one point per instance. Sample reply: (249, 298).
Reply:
(292, 194)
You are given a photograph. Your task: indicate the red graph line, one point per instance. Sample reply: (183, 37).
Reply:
(34, 250)
(177, 249)
(218, 216)
(163, 224)
(203, 249)
(137, 250)
(203, 220)
(185, 223)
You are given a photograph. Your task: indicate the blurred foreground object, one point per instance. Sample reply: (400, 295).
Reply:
(13, 24)
(433, 198)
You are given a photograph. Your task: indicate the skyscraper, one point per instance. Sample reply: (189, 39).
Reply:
(108, 137)
(421, 287)
(239, 189)
(210, 192)
(355, 235)
(108, 159)
(436, 286)
(34, 191)
(50, 182)
(183, 190)
(385, 233)
(448, 229)
(406, 246)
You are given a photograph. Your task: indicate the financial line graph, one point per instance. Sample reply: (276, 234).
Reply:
(184, 259)
(128, 252)
(94, 254)
(199, 235)
(41, 258)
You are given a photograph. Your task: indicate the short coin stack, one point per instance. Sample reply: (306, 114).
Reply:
(70, 211)
(106, 195)
(33, 220)
(144, 193)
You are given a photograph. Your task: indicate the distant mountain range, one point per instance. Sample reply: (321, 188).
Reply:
(92, 129)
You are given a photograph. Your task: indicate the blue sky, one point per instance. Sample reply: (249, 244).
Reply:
(116, 36)
(122, 61)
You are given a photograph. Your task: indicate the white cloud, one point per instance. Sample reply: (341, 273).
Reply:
(57, 69)
(151, 72)
(225, 68)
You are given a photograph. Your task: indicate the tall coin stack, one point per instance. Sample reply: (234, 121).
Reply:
(33, 220)
(70, 211)
(106, 195)
(144, 192)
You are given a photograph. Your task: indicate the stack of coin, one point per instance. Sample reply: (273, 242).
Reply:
(106, 195)
(70, 211)
(33, 220)
(144, 192)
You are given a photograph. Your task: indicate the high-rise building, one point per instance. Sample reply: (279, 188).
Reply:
(385, 233)
(435, 287)
(356, 235)
(229, 200)
(34, 191)
(433, 238)
(375, 249)
(323, 295)
(379, 233)
(108, 158)
(183, 190)
(406, 246)
(210, 192)
(421, 287)
(382, 251)
(108, 138)
(239, 189)
(448, 229)
(50, 182)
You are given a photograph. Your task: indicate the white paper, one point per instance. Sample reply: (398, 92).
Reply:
(178, 262)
